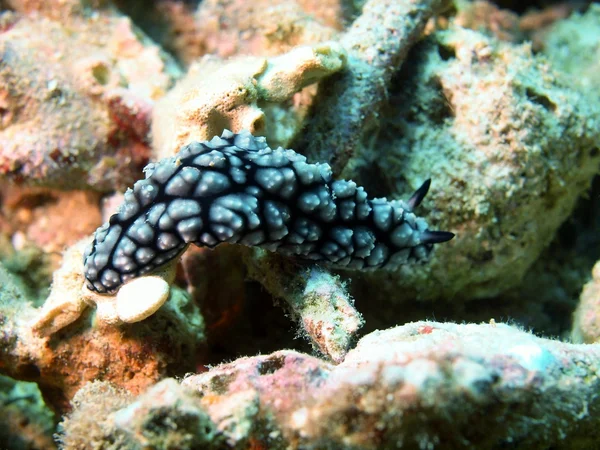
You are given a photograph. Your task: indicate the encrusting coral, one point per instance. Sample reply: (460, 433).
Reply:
(421, 385)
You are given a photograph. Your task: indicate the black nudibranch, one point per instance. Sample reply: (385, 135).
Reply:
(236, 189)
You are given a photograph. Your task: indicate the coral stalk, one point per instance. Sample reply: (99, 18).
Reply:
(377, 44)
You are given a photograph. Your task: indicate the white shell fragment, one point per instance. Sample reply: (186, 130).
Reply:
(140, 298)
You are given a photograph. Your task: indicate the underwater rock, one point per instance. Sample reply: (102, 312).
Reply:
(511, 144)
(76, 96)
(420, 385)
(243, 93)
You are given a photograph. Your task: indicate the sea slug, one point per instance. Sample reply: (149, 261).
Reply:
(236, 189)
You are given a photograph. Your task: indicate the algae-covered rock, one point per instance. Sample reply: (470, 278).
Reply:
(510, 145)
(573, 46)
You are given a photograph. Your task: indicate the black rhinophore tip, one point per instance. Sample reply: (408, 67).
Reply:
(416, 199)
(435, 237)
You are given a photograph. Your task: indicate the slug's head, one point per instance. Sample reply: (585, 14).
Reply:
(141, 236)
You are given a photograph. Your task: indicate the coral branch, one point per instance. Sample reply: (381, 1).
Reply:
(377, 44)
(586, 319)
(316, 299)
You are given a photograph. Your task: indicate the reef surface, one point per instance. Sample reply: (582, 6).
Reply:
(492, 343)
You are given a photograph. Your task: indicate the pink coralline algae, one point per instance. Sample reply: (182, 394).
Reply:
(421, 385)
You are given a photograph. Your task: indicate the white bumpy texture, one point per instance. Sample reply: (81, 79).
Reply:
(236, 189)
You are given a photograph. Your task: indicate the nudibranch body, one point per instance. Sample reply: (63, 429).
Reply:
(236, 189)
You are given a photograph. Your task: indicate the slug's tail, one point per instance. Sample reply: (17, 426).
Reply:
(435, 237)
(427, 237)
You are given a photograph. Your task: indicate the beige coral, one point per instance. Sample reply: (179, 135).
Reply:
(85, 347)
(69, 297)
(233, 94)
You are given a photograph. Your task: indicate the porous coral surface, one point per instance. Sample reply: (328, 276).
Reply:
(255, 94)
